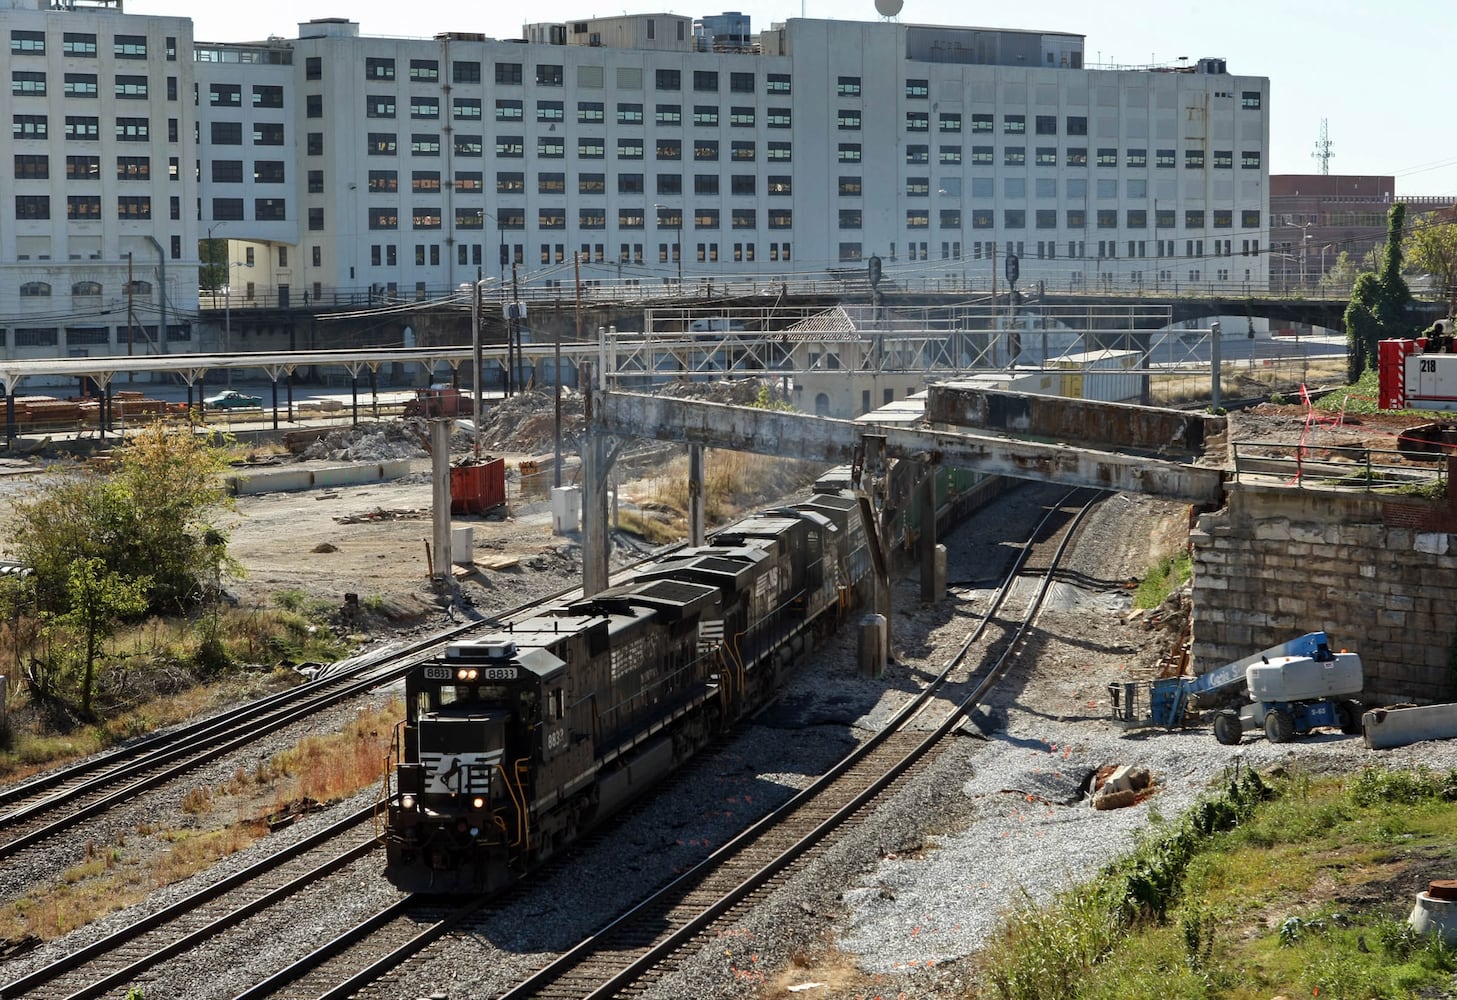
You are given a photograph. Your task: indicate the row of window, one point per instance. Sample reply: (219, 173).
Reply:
(83, 45)
(27, 83)
(230, 95)
(37, 166)
(1071, 156)
(1075, 218)
(89, 128)
(79, 336)
(587, 218)
(87, 207)
(554, 75)
(42, 289)
(1076, 250)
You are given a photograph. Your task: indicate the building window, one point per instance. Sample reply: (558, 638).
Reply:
(267, 134)
(80, 45)
(510, 182)
(1014, 124)
(777, 83)
(705, 81)
(669, 149)
(629, 149)
(313, 68)
(705, 115)
(84, 128)
(510, 147)
(551, 148)
(1014, 156)
(629, 184)
(314, 106)
(918, 187)
(779, 185)
(1107, 157)
(670, 115)
(549, 75)
(32, 206)
(950, 155)
(669, 79)
(267, 96)
(981, 156)
(1193, 159)
(741, 151)
(848, 86)
(705, 150)
(1224, 159)
(1249, 160)
(30, 166)
(629, 114)
(1250, 100)
(1046, 124)
(1193, 218)
(129, 47)
(1163, 158)
(506, 73)
(383, 181)
(949, 123)
(981, 123)
(424, 107)
(741, 83)
(590, 113)
(850, 187)
(80, 85)
(1045, 156)
(918, 89)
(469, 145)
(83, 206)
(134, 130)
(777, 118)
(918, 121)
(705, 184)
(27, 43)
(28, 83)
(741, 117)
(850, 218)
(379, 69)
(466, 109)
(1136, 158)
(424, 71)
(591, 149)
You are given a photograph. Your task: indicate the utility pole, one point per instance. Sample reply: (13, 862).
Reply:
(513, 334)
(475, 339)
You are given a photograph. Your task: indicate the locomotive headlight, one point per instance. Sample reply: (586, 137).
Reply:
(475, 831)
(478, 803)
(407, 802)
(467, 674)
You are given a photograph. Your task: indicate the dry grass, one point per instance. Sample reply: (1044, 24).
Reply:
(733, 482)
(1241, 381)
(225, 820)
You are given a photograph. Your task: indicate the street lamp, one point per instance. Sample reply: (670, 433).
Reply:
(228, 313)
(212, 263)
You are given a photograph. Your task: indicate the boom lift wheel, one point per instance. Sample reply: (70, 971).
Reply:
(1227, 728)
(1279, 726)
(1349, 713)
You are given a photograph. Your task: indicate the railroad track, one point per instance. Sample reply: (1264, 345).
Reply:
(44, 806)
(118, 959)
(638, 945)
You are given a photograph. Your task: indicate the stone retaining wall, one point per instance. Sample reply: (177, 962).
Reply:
(1378, 575)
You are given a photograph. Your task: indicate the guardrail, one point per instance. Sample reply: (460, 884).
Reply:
(1351, 467)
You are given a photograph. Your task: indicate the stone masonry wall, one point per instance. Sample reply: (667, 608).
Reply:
(1371, 573)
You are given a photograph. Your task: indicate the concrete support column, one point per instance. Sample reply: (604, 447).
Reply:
(594, 513)
(440, 498)
(695, 495)
(928, 535)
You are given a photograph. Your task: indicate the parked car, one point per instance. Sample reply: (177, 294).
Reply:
(232, 399)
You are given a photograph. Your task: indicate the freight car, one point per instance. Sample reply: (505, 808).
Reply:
(515, 743)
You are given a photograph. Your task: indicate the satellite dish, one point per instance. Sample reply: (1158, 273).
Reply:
(888, 8)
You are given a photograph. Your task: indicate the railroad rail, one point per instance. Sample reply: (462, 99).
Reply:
(642, 939)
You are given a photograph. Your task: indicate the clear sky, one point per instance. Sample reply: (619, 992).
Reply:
(1376, 74)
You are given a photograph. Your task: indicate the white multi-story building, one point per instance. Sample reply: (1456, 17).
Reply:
(346, 168)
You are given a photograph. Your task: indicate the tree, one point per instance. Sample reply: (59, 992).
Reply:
(1431, 246)
(1377, 310)
(1342, 274)
(147, 519)
(97, 598)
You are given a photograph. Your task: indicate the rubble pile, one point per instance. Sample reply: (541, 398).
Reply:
(376, 442)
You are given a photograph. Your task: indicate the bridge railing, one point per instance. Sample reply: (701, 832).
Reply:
(1314, 465)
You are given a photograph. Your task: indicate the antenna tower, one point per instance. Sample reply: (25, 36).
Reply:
(1323, 147)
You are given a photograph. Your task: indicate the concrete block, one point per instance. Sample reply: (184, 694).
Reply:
(344, 475)
(1399, 727)
(272, 481)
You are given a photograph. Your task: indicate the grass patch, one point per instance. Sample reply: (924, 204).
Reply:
(1299, 886)
(1171, 573)
(225, 820)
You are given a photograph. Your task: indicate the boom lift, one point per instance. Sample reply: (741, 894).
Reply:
(1285, 690)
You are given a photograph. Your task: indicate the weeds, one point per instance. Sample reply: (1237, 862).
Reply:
(1171, 573)
(1188, 914)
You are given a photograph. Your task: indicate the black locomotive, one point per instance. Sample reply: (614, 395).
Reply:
(515, 743)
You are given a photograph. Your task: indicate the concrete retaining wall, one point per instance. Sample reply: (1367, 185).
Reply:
(1279, 561)
(290, 478)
